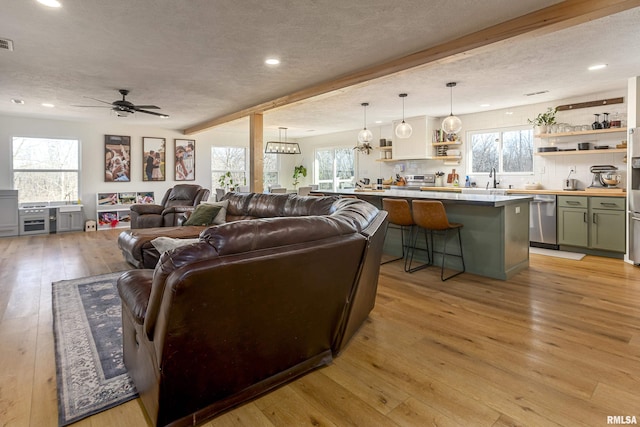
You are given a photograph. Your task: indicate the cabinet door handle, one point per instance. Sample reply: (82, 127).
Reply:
(571, 202)
(613, 205)
(594, 218)
(584, 217)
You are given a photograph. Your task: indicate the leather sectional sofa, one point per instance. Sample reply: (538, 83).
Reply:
(251, 305)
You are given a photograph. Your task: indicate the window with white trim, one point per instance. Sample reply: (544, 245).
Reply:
(507, 150)
(228, 159)
(270, 169)
(46, 169)
(334, 168)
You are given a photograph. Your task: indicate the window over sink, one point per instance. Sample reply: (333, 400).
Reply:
(46, 169)
(507, 150)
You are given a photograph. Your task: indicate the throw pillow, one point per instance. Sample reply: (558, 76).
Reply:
(204, 214)
(163, 244)
(221, 218)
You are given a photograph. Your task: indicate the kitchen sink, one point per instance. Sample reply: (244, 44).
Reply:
(70, 208)
(487, 191)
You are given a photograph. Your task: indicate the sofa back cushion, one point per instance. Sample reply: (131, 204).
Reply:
(257, 205)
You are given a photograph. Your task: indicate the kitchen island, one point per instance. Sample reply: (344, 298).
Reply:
(495, 236)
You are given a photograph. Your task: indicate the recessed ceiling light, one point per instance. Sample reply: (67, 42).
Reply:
(17, 101)
(378, 121)
(272, 61)
(485, 105)
(509, 113)
(48, 105)
(597, 67)
(50, 3)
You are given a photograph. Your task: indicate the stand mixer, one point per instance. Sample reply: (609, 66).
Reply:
(603, 178)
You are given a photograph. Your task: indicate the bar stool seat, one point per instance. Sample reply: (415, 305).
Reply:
(431, 216)
(399, 213)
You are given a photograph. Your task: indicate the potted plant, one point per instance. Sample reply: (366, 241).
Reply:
(226, 181)
(544, 120)
(297, 172)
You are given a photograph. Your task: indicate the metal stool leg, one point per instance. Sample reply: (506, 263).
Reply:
(412, 250)
(402, 243)
(444, 255)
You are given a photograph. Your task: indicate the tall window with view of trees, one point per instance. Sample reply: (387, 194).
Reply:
(509, 151)
(46, 169)
(270, 169)
(232, 159)
(334, 168)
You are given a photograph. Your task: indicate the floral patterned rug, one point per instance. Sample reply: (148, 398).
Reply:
(87, 328)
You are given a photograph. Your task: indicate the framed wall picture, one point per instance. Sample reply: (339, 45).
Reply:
(185, 164)
(117, 150)
(153, 159)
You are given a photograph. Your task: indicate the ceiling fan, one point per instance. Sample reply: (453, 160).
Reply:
(123, 108)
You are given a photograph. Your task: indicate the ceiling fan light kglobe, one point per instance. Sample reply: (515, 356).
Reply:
(404, 130)
(365, 136)
(451, 124)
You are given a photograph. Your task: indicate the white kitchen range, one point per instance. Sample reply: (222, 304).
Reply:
(34, 218)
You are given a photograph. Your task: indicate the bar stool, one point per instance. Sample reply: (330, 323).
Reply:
(399, 213)
(431, 216)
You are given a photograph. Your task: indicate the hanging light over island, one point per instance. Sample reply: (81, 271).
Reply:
(403, 130)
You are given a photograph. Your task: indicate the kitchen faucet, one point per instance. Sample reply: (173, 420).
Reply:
(493, 174)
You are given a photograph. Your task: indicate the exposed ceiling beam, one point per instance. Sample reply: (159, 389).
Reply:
(553, 18)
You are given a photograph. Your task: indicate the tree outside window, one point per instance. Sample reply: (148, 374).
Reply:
(335, 168)
(509, 151)
(46, 169)
(228, 159)
(270, 169)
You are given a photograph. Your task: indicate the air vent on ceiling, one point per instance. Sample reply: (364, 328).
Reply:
(6, 44)
(536, 93)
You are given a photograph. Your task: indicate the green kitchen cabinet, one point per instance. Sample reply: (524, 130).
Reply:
(573, 221)
(573, 226)
(592, 222)
(607, 223)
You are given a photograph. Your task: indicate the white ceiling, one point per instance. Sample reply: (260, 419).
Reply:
(203, 59)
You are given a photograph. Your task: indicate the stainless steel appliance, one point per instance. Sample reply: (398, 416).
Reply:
(542, 221)
(34, 218)
(570, 184)
(414, 182)
(598, 171)
(634, 197)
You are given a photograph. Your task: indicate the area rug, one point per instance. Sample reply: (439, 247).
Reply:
(558, 254)
(87, 330)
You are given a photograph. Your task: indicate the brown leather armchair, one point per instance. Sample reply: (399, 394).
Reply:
(176, 201)
(254, 304)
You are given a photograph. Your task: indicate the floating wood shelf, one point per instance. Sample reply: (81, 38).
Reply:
(580, 132)
(590, 152)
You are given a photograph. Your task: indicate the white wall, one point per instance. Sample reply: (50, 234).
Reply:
(550, 171)
(91, 136)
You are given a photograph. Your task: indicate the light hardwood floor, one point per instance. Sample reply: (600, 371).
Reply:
(559, 344)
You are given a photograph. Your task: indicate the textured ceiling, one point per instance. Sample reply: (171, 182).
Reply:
(202, 59)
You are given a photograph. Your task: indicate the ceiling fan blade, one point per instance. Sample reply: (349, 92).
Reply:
(92, 106)
(150, 112)
(148, 107)
(99, 100)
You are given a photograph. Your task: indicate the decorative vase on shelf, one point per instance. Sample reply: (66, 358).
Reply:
(540, 129)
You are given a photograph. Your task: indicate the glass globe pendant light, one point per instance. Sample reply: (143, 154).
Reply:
(451, 124)
(403, 130)
(365, 136)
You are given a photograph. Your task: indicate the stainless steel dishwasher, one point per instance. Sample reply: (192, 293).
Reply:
(542, 221)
